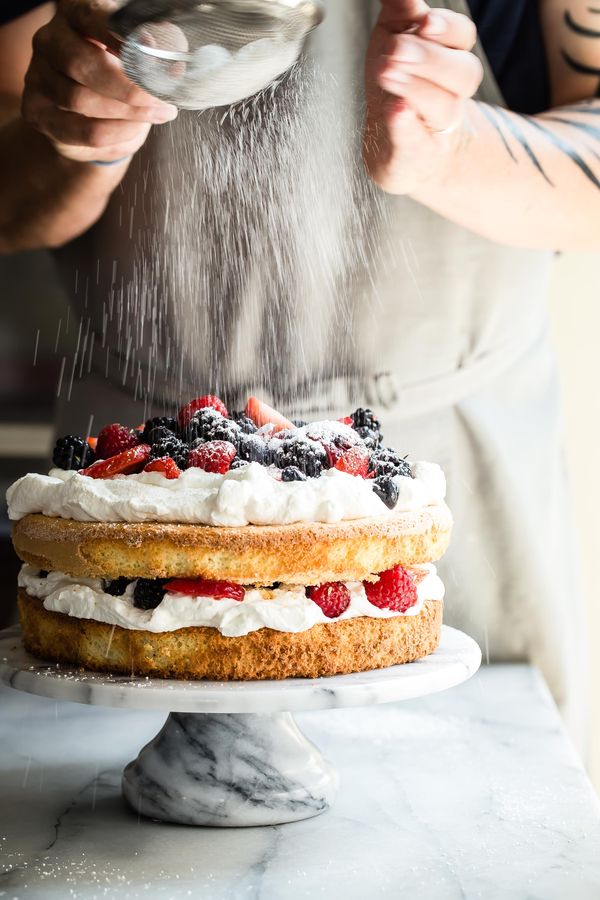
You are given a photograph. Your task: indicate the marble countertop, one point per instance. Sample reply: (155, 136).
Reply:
(473, 793)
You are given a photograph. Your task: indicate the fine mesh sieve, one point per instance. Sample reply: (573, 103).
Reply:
(204, 54)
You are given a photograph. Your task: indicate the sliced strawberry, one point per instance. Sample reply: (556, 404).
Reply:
(214, 456)
(261, 414)
(209, 400)
(126, 463)
(354, 461)
(205, 587)
(166, 466)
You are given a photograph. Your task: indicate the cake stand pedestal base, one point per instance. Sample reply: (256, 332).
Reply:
(230, 771)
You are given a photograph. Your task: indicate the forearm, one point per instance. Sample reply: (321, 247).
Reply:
(46, 199)
(524, 181)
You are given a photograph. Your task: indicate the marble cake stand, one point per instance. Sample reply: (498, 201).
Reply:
(232, 755)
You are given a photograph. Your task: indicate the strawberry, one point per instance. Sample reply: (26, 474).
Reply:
(186, 412)
(93, 442)
(261, 414)
(167, 466)
(333, 599)
(354, 461)
(115, 439)
(205, 587)
(214, 456)
(125, 463)
(396, 590)
(347, 420)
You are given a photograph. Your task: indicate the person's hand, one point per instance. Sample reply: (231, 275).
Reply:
(76, 92)
(420, 73)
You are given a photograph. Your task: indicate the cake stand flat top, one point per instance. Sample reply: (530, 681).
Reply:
(456, 660)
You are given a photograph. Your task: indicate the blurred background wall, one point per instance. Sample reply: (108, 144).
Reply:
(575, 307)
(35, 325)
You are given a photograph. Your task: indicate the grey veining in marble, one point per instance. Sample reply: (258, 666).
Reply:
(230, 771)
(457, 658)
(472, 793)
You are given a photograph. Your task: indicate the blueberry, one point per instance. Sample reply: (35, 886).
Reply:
(387, 490)
(292, 473)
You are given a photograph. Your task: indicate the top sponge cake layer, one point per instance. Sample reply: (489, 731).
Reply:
(306, 553)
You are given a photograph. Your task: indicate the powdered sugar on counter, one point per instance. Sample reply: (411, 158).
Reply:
(247, 496)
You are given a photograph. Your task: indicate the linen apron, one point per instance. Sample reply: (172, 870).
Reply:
(321, 309)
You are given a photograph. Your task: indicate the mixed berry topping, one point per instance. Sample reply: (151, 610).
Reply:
(205, 436)
(394, 590)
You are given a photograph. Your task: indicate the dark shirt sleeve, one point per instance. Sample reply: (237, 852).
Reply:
(12, 9)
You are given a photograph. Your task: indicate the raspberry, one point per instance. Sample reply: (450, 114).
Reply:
(115, 439)
(166, 466)
(205, 587)
(149, 593)
(333, 599)
(354, 461)
(126, 463)
(209, 400)
(72, 453)
(395, 590)
(216, 456)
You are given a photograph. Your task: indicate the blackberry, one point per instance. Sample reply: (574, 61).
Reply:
(173, 447)
(72, 452)
(42, 573)
(367, 425)
(246, 424)
(386, 461)
(209, 425)
(299, 423)
(292, 474)
(157, 429)
(252, 448)
(307, 456)
(149, 592)
(116, 587)
(370, 437)
(387, 490)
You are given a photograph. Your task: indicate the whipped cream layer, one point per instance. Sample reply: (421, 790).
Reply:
(286, 609)
(247, 496)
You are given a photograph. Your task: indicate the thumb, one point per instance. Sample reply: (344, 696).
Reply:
(398, 15)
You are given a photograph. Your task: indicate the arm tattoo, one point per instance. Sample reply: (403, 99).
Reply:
(513, 131)
(589, 34)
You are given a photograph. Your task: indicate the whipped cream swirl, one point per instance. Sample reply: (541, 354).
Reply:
(247, 496)
(286, 609)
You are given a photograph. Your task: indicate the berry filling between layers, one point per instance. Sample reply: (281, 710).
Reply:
(207, 466)
(164, 605)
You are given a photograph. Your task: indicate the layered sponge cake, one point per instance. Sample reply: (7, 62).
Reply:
(231, 547)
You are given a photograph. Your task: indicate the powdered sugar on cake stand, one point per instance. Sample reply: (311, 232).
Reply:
(232, 755)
